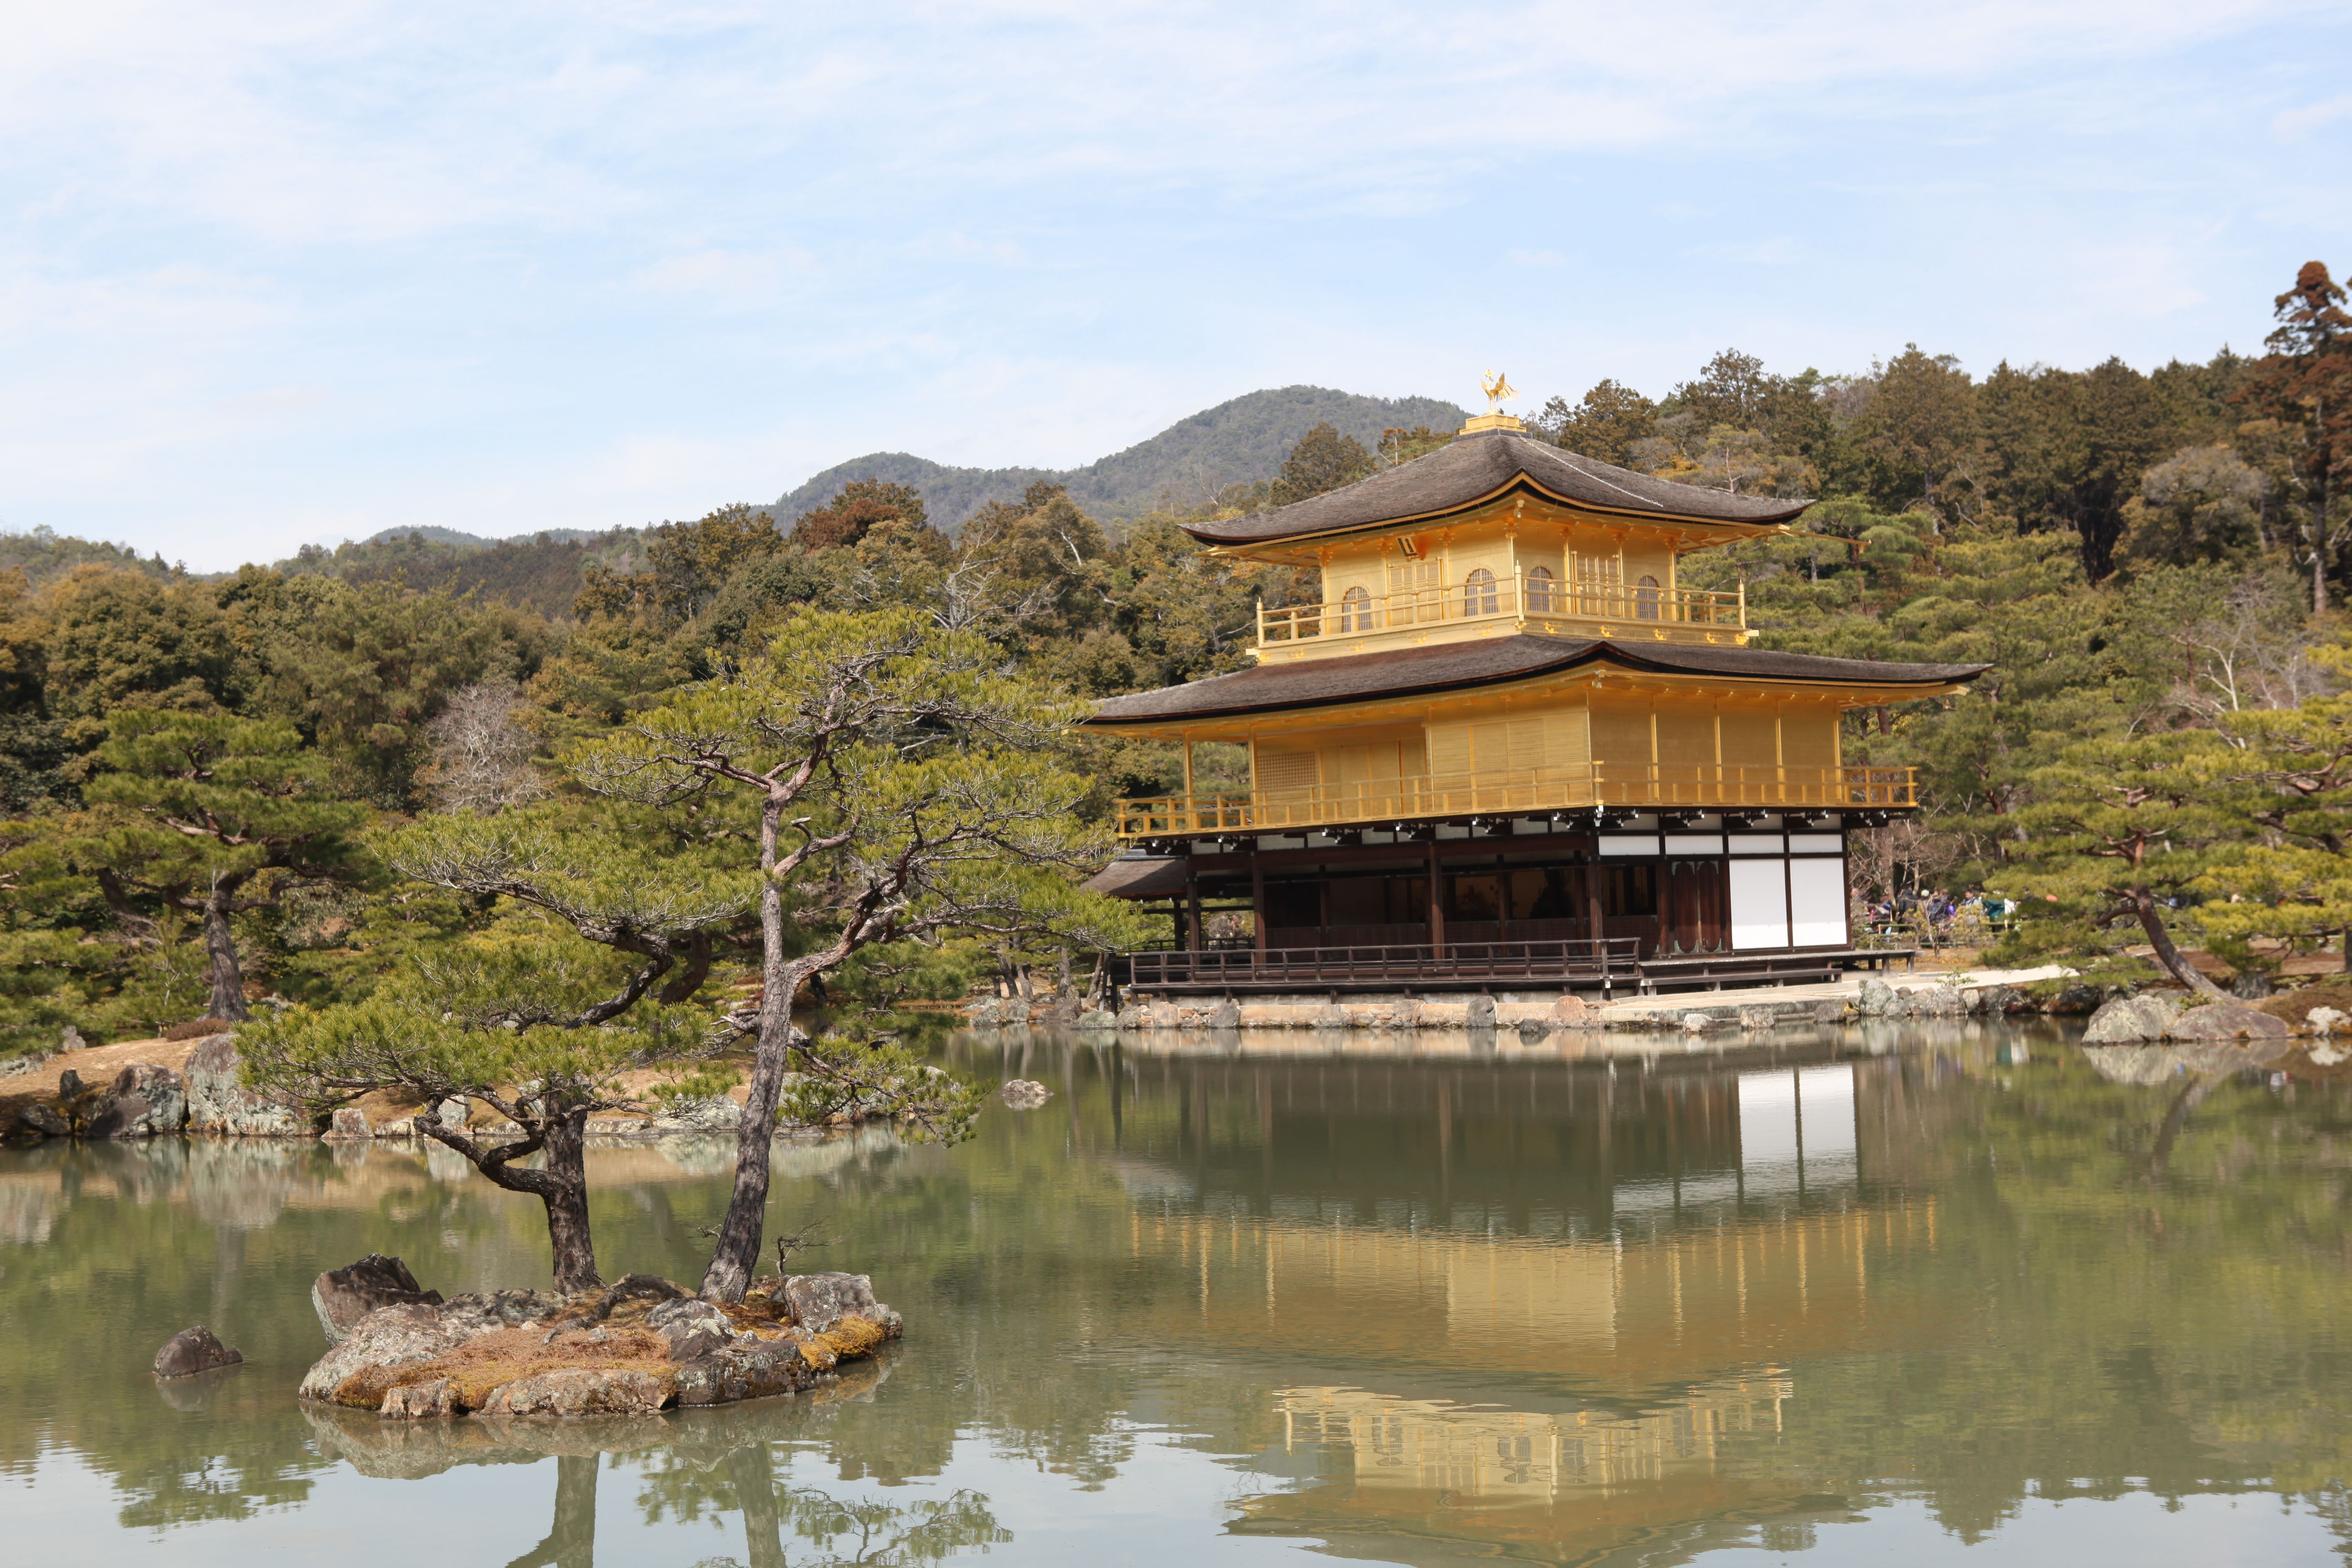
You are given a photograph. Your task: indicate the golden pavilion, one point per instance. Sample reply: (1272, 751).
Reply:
(1507, 746)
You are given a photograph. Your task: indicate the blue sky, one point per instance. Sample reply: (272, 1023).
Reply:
(302, 269)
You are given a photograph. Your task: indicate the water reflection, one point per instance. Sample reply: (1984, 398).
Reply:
(1413, 1303)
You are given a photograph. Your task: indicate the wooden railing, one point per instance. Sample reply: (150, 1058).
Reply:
(1517, 791)
(1502, 599)
(1609, 960)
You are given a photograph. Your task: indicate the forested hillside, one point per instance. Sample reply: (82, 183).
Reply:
(2152, 561)
(1190, 464)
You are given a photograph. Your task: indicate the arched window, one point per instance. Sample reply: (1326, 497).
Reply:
(1539, 590)
(1355, 611)
(1645, 598)
(1478, 595)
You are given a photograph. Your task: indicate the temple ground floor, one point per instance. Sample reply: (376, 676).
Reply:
(1622, 904)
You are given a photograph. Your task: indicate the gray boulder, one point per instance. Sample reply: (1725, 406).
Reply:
(2131, 1020)
(1937, 1001)
(1699, 1023)
(350, 1125)
(1877, 998)
(1829, 1012)
(716, 1113)
(45, 1118)
(143, 1102)
(217, 1102)
(583, 1391)
(820, 1301)
(389, 1338)
(1228, 1014)
(192, 1351)
(2226, 1021)
(344, 1295)
(1479, 1013)
(1756, 1017)
(1532, 1031)
(1024, 1094)
(415, 1401)
(2077, 1001)
(692, 1328)
(1098, 1019)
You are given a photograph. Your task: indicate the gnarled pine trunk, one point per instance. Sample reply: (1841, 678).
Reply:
(562, 1187)
(738, 1253)
(2151, 920)
(222, 972)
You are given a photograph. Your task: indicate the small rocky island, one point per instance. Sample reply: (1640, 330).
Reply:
(641, 1345)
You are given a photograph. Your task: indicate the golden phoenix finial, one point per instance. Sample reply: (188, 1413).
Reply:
(1499, 387)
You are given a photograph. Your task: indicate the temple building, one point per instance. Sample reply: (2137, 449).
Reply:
(1507, 747)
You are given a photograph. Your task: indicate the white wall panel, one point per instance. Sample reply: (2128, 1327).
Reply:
(1817, 901)
(1759, 904)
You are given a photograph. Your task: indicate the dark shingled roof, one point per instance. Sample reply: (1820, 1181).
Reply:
(1140, 876)
(1472, 468)
(1451, 667)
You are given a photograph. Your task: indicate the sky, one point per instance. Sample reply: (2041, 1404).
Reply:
(288, 271)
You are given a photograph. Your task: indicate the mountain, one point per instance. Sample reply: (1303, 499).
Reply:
(459, 539)
(1239, 442)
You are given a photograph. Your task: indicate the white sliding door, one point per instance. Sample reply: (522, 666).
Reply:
(1817, 902)
(1759, 903)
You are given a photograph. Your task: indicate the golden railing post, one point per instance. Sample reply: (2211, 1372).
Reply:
(1743, 604)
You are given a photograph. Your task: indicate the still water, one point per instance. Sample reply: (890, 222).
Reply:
(1957, 1294)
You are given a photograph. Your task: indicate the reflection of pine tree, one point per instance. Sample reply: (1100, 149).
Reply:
(571, 1540)
(844, 1532)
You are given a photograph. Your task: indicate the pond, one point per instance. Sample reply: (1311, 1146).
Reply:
(1943, 1294)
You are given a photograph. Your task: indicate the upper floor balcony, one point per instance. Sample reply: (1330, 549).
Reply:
(1485, 604)
(1711, 786)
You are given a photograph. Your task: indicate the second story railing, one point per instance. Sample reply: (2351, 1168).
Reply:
(1707, 786)
(1359, 612)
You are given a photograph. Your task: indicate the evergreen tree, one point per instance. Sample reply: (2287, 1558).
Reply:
(211, 816)
(1322, 460)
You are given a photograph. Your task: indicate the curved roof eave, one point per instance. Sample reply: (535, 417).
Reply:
(1407, 674)
(1476, 471)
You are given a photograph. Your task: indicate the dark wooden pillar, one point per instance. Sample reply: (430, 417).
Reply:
(1257, 899)
(1192, 908)
(1436, 900)
(1594, 915)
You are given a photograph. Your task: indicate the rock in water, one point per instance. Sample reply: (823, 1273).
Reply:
(1026, 1094)
(582, 1391)
(383, 1342)
(350, 1126)
(343, 1296)
(142, 1101)
(821, 1300)
(716, 1113)
(218, 1102)
(1532, 1031)
(192, 1351)
(2226, 1021)
(2131, 1020)
(1756, 1017)
(1478, 1013)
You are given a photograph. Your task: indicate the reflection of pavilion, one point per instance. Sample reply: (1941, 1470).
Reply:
(1503, 1457)
(1427, 1481)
